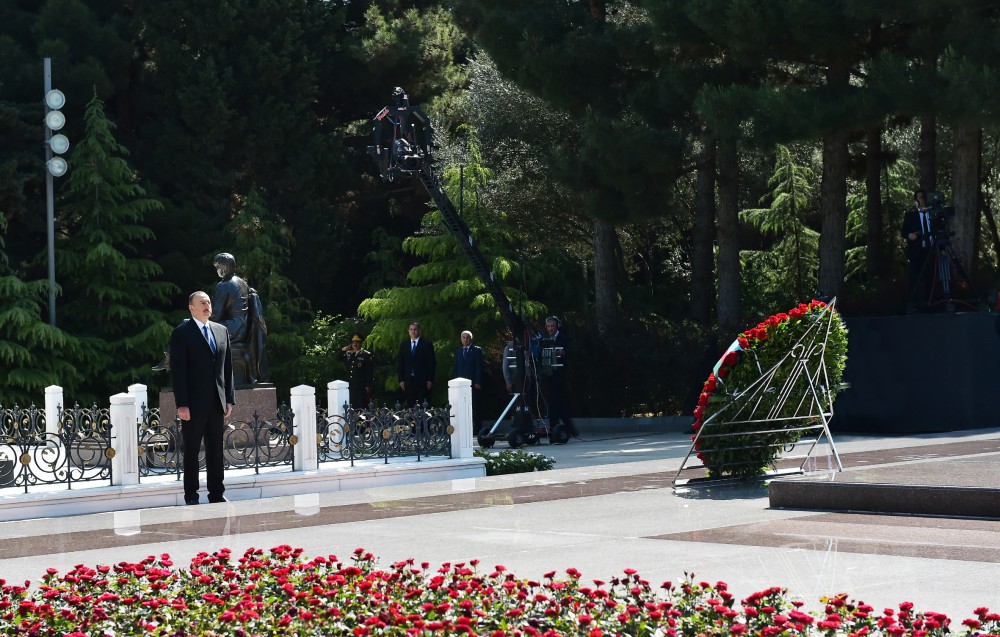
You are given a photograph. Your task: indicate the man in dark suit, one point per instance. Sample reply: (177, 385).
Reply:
(554, 376)
(416, 367)
(201, 367)
(469, 364)
(917, 232)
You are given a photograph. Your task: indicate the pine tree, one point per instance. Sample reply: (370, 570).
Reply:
(113, 300)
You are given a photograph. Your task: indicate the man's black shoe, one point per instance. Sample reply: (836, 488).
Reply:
(191, 501)
(221, 498)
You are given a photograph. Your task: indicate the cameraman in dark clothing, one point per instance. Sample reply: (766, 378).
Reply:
(919, 241)
(554, 377)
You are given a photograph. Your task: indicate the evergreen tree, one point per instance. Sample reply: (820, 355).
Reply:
(33, 354)
(796, 247)
(114, 301)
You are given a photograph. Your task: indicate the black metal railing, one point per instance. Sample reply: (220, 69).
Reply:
(159, 445)
(252, 444)
(260, 443)
(382, 432)
(78, 451)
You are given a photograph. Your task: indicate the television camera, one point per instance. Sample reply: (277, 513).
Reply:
(939, 214)
(941, 258)
(405, 148)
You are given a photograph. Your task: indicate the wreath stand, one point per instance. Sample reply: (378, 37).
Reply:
(801, 372)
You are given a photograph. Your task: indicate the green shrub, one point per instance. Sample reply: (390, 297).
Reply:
(514, 461)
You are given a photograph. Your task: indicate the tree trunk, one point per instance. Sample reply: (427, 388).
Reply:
(965, 198)
(873, 208)
(927, 157)
(729, 237)
(605, 287)
(833, 205)
(702, 257)
(833, 197)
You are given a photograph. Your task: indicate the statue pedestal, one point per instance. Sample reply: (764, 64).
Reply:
(262, 398)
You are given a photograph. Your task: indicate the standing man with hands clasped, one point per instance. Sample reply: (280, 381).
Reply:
(201, 368)
(469, 365)
(416, 367)
(919, 238)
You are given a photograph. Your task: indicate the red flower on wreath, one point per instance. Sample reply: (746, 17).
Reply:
(711, 385)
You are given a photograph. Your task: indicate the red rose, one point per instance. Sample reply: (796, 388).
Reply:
(699, 412)
(762, 335)
(696, 425)
(744, 342)
(815, 303)
(731, 358)
(773, 321)
(711, 385)
(723, 372)
(803, 307)
(795, 313)
(703, 399)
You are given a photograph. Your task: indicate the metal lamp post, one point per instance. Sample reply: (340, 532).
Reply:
(55, 166)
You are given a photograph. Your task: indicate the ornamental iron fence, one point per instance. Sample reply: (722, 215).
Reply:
(247, 444)
(78, 450)
(382, 432)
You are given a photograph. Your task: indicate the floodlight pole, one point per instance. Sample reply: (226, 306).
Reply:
(50, 204)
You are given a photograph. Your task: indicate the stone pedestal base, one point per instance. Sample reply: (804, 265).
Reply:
(262, 399)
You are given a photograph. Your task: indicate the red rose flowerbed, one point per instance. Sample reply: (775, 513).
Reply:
(280, 592)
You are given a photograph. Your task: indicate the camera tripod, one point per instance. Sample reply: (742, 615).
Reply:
(939, 261)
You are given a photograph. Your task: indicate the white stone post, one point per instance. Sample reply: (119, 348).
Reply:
(53, 400)
(141, 395)
(460, 398)
(124, 440)
(304, 426)
(338, 394)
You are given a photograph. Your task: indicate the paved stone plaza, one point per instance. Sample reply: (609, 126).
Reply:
(608, 505)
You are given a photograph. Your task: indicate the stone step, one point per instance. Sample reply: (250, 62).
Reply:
(956, 486)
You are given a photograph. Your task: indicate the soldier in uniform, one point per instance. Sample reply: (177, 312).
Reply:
(361, 372)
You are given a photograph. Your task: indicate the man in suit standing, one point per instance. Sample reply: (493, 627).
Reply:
(554, 376)
(469, 364)
(917, 232)
(201, 367)
(416, 367)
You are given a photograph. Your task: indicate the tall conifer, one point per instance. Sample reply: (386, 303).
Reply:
(113, 299)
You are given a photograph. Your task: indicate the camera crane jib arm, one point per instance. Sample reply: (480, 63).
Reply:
(403, 154)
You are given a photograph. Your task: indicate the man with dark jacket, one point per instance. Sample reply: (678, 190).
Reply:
(554, 377)
(469, 365)
(201, 368)
(917, 232)
(416, 367)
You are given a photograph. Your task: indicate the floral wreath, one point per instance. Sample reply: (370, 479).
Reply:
(747, 456)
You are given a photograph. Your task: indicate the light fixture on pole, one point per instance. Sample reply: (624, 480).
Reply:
(55, 166)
